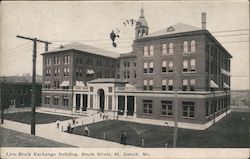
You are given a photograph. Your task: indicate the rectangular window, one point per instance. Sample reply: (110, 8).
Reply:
(151, 67)
(171, 48)
(167, 108)
(164, 66)
(128, 74)
(170, 85)
(91, 89)
(145, 84)
(170, 66)
(151, 50)
(56, 60)
(124, 74)
(66, 59)
(164, 49)
(147, 106)
(145, 52)
(48, 61)
(192, 65)
(192, 84)
(134, 74)
(56, 100)
(184, 84)
(77, 72)
(207, 108)
(188, 109)
(212, 107)
(145, 67)
(47, 99)
(65, 101)
(151, 83)
(163, 84)
(22, 101)
(185, 65)
(110, 89)
(125, 64)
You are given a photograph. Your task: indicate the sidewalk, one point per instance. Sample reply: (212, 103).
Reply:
(51, 132)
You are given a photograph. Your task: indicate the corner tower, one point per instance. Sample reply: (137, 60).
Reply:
(141, 28)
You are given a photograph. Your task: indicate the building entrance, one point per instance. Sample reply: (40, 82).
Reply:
(100, 92)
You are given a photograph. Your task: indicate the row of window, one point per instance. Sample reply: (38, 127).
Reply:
(127, 63)
(169, 48)
(126, 74)
(47, 84)
(56, 60)
(187, 84)
(217, 105)
(57, 72)
(20, 91)
(188, 108)
(168, 66)
(65, 100)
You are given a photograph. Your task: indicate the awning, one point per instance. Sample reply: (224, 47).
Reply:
(224, 72)
(225, 85)
(213, 84)
(89, 71)
(64, 83)
(92, 71)
(80, 83)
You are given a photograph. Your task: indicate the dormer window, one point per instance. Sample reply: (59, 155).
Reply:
(171, 28)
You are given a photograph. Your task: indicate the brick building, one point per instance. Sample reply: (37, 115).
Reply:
(18, 94)
(142, 84)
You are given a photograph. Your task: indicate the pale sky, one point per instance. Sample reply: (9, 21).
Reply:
(91, 22)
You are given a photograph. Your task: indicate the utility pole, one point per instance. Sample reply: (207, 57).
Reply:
(1, 101)
(33, 98)
(175, 136)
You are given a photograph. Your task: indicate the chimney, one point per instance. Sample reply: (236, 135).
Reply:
(203, 20)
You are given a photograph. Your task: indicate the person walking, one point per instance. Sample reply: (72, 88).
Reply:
(86, 130)
(57, 124)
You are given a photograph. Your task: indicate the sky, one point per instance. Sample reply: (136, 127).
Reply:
(91, 23)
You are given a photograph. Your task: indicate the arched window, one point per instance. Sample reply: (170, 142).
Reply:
(193, 46)
(185, 46)
(143, 32)
(171, 48)
(164, 49)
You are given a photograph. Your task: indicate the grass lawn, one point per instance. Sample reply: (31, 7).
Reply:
(230, 132)
(10, 138)
(41, 118)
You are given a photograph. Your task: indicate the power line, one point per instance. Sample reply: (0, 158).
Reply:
(132, 38)
(20, 46)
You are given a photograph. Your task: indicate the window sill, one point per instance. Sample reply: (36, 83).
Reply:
(184, 117)
(149, 73)
(189, 72)
(186, 53)
(166, 115)
(148, 114)
(167, 72)
(167, 54)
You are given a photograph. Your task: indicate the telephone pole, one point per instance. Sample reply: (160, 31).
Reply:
(33, 97)
(1, 101)
(175, 136)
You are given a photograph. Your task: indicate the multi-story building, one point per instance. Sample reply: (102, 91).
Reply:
(180, 61)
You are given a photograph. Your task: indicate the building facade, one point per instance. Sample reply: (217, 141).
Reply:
(180, 71)
(18, 94)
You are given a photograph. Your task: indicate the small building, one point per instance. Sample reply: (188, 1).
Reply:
(18, 94)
